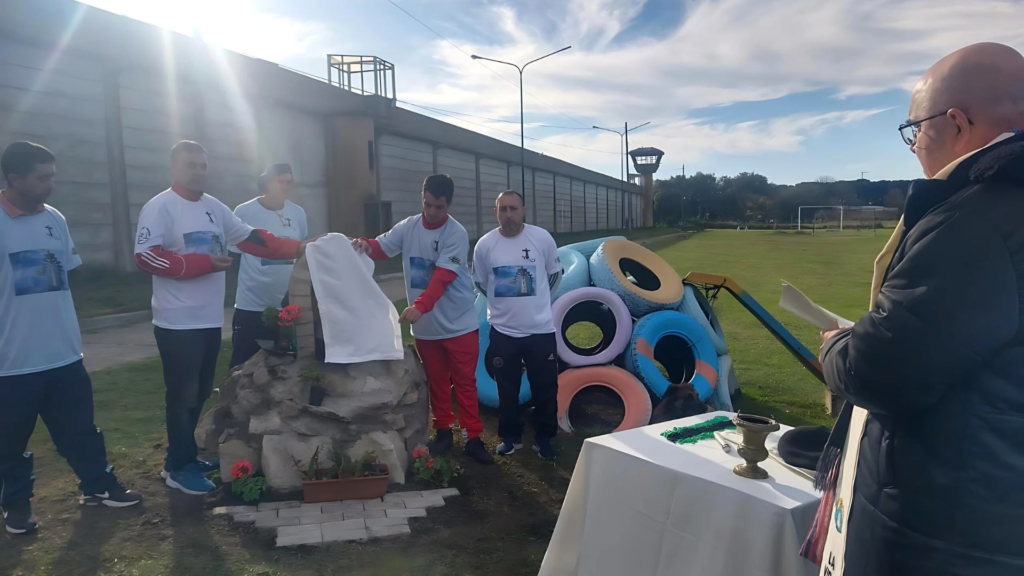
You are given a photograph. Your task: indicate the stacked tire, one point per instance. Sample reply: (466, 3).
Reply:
(646, 317)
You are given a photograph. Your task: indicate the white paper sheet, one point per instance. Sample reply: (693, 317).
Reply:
(794, 301)
(359, 323)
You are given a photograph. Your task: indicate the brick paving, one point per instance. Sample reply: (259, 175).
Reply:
(299, 524)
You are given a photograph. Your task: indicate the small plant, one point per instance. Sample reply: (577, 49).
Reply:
(312, 376)
(245, 484)
(438, 469)
(367, 465)
(270, 317)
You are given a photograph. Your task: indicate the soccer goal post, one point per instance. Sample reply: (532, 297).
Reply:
(839, 218)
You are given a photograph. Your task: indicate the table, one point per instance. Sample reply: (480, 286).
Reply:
(639, 505)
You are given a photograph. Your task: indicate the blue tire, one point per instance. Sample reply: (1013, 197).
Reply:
(486, 387)
(644, 281)
(575, 272)
(696, 306)
(590, 246)
(672, 338)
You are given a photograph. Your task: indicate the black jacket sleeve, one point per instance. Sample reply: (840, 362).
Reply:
(948, 305)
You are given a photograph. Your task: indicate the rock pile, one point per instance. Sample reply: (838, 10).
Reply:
(271, 413)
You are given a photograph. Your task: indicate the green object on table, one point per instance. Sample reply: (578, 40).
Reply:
(697, 432)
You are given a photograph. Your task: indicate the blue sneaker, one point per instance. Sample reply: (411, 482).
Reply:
(190, 481)
(204, 467)
(509, 446)
(545, 449)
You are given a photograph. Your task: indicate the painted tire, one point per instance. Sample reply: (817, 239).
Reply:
(657, 286)
(590, 246)
(575, 272)
(722, 399)
(688, 340)
(696, 306)
(634, 396)
(486, 387)
(603, 308)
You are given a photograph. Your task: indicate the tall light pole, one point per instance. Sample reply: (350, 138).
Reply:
(622, 163)
(522, 132)
(626, 132)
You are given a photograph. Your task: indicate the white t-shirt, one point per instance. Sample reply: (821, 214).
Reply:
(38, 325)
(514, 272)
(422, 250)
(262, 282)
(182, 226)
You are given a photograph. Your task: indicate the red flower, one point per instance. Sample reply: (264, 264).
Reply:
(420, 452)
(241, 469)
(288, 314)
(430, 463)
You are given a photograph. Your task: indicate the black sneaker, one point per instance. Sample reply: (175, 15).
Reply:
(18, 517)
(476, 450)
(442, 443)
(545, 449)
(115, 497)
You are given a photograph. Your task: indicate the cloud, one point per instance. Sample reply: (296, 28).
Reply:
(725, 51)
(231, 24)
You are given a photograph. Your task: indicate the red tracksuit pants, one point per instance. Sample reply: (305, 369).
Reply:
(452, 363)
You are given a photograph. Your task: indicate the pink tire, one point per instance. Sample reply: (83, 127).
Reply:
(633, 394)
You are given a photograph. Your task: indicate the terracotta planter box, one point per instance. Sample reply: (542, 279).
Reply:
(314, 491)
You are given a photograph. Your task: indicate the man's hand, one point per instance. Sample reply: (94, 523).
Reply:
(220, 263)
(826, 336)
(410, 315)
(302, 246)
(360, 245)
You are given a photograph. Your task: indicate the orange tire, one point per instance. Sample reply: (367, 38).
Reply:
(634, 396)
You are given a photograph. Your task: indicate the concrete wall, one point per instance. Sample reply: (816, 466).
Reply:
(59, 103)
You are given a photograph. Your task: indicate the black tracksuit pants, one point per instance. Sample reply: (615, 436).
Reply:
(246, 328)
(505, 359)
(63, 398)
(189, 360)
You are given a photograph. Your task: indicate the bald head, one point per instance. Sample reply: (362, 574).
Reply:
(980, 89)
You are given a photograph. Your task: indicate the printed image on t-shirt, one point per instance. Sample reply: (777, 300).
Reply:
(269, 262)
(515, 281)
(420, 272)
(204, 242)
(37, 271)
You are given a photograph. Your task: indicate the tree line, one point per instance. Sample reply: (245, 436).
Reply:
(748, 198)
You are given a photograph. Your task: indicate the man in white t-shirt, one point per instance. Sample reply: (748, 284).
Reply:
(263, 282)
(182, 240)
(516, 266)
(435, 248)
(41, 370)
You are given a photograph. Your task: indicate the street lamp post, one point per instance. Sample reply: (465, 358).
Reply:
(522, 132)
(624, 135)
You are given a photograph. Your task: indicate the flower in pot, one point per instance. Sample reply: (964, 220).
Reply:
(332, 481)
(283, 321)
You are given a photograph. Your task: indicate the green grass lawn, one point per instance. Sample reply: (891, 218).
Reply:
(502, 522)
(832, 269)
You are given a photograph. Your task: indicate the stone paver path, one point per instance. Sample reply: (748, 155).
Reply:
(297, 523)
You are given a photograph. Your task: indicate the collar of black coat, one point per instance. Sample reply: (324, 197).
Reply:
(1001, 162)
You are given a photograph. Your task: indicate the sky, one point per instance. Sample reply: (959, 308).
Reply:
(792, 89)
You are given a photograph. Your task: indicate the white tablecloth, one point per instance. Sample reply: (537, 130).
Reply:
(639, 505)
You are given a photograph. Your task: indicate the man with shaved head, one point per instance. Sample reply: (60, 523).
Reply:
(931, 474)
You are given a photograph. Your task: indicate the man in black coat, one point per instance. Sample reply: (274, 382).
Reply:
(938, 363)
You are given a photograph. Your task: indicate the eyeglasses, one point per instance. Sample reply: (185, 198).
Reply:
(910, 130)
